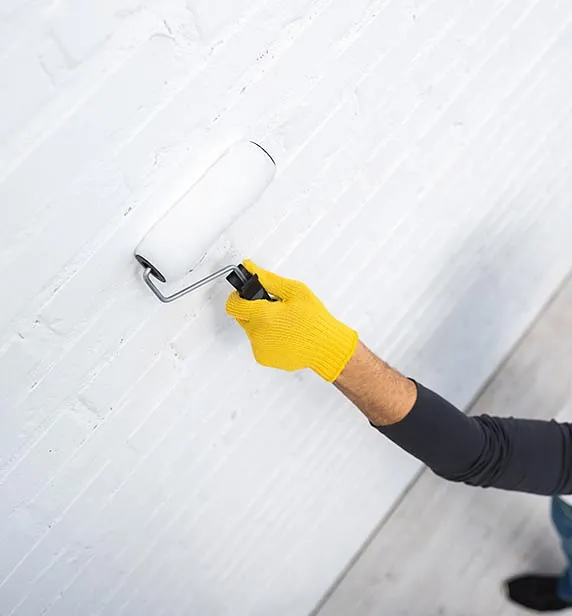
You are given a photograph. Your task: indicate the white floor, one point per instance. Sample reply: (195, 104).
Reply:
(446, 548)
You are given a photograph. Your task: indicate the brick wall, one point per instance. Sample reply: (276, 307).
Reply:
(147, 465)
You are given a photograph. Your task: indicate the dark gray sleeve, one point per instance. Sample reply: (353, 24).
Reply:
(512, 454)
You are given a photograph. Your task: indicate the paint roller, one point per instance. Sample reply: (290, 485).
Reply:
(176, 243)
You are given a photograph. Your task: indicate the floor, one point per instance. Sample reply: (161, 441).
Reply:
(446, 548)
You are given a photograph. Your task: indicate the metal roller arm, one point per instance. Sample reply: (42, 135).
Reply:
(148, 278)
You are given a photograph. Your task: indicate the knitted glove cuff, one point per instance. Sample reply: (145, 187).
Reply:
(336, 344)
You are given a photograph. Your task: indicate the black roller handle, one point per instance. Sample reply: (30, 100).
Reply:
(250, 289)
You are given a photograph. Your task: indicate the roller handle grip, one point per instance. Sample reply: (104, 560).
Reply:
(250, 289)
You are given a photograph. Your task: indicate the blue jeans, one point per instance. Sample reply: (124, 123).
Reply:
(562, 520)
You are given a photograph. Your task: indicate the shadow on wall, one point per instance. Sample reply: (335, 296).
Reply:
(485, 308)
(482, 310)
(483, 536)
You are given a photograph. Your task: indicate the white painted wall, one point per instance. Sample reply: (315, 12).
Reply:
(147, 465)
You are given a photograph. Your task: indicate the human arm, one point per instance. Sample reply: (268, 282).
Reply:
(514, 454)
(507, 453)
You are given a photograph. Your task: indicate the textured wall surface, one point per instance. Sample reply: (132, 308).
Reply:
(147, 465)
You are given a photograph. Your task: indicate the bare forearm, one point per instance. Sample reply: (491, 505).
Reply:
(382, 394)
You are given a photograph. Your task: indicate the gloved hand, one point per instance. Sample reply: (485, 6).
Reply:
(295, 332)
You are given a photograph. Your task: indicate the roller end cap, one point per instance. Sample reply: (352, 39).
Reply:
(154, 271)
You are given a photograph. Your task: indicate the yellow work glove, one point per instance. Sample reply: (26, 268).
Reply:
(295, 332)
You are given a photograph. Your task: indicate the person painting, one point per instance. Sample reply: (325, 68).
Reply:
(525, 455)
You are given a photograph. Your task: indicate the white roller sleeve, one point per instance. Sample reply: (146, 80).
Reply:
(177, 242)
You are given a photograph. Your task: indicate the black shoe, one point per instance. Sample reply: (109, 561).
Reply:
(537, 592)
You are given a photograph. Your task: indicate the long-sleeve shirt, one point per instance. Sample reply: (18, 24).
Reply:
(512, 454)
